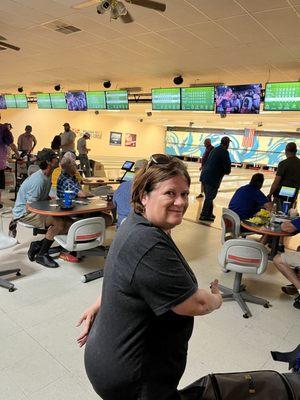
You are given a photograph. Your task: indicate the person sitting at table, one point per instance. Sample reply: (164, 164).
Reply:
(249, 199)
(68, 180)
(36, 188)
(288, 263)
(122, 196)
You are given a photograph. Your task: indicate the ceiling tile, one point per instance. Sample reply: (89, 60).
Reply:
(280, 22)
(262, 5)
(245, 29)
(215, 9)
(213, 34)
(183, 13)
(159, 42)
(186, 39)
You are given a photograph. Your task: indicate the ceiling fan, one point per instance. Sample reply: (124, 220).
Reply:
(4, 45)
(118, 9)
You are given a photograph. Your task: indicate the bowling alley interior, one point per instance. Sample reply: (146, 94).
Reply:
(137, 82)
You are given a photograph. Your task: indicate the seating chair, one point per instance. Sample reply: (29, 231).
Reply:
(243, 256)
(231, 226)
(5, 243)
(83, 235)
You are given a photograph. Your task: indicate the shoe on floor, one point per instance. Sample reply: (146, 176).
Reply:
(200, 196)
(46, 261)
(207, 219)
(34, 248)
(289, 289)
(297, 302)
(69, 257)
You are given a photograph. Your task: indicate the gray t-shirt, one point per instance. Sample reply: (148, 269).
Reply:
(68, 141)
(81, 146)
(35, 188)
(137, 344)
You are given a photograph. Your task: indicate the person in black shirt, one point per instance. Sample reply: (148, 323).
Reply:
(208, 148)
(288, 174)
(137, 339)
(217, 165)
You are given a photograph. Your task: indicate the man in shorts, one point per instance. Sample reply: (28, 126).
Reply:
(36, 188)
(288, 263)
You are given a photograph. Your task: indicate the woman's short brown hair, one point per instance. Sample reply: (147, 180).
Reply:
(151, 174)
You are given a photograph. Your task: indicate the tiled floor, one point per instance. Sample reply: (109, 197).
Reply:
(39, 355)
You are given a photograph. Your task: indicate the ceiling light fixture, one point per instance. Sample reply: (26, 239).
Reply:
(107, 84)
(20, 89)
(178, 80)
(57, 88)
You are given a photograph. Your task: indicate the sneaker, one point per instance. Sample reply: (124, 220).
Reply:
(297, 302)
(289, 289)
(69, 257)
(34, 248)
(200, 196)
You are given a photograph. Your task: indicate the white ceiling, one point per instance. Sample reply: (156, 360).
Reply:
(230, 41)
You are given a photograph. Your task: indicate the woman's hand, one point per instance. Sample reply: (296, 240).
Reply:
(87, 318)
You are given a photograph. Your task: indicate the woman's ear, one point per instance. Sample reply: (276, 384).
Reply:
(144, 199)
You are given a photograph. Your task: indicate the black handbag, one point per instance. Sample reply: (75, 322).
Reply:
(253, 385)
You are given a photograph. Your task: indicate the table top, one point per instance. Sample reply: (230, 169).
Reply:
(98, 182)
(81, 206)
(263, 230)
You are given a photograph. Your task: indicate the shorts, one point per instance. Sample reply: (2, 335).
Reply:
(292, 258)
(36, 220)
(2, 179)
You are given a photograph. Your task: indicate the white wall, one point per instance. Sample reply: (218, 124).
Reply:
(48, 123)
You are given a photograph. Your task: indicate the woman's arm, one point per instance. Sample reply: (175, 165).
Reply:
(88, 318)
(201, 302)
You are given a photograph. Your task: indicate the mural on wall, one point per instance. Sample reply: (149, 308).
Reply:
(93, 134)
(264, 150)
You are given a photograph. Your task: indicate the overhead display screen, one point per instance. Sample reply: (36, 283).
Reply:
(10, 101)
(166, 99)
(76, 101)
(58, 100)
(238, 99)
(21, 101)
(96, 100)
(198, 98)
(117, 100)
(2, 102)
(282, 96)
(43, 100)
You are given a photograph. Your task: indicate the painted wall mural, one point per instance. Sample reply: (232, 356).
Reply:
(265, 149)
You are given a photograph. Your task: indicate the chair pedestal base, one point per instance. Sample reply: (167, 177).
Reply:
(241, 297)
(5, 283)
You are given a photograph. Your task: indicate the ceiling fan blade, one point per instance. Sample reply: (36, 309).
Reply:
(127, 18)
(85, 4)
(10, 46)
(154, 5)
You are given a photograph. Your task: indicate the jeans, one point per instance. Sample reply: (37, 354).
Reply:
(210, 194)
(85, 164)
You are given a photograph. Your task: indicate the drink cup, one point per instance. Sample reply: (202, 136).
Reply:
(68, 195)
(285, 207)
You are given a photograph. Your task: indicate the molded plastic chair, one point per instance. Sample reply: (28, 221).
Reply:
(5, 243)
(231, 226)
(84, 234)
(243, 256)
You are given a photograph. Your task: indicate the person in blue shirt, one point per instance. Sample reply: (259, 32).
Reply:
(288, 263)
(249, 199)
(122, 196)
